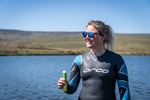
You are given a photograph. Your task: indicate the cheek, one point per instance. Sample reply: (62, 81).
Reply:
(99, 41)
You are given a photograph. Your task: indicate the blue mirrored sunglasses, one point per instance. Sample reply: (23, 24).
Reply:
(90, 34)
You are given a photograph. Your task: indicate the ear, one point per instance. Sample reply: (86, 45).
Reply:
(103, 38)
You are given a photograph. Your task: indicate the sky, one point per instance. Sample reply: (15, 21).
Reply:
(124, 16)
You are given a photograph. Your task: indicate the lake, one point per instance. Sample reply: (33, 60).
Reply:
(35, 77)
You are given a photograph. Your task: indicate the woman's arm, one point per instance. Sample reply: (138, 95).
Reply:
(75, 76)
(123, 85)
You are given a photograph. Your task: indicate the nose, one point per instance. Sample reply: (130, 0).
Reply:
(87, 36)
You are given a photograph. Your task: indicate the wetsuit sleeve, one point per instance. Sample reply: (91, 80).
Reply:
(74, 76)
(122, 80)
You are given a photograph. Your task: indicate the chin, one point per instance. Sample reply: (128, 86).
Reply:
(89, 46)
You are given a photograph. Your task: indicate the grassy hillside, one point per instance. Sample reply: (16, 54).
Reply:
(135, 44)
(19, 34)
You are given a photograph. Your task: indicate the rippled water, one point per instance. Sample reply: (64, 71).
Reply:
(35, 77)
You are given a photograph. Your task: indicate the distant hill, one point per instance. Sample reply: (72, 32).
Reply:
(17, 42)
(18, 34)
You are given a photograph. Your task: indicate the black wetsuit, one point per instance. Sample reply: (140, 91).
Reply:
(99, 76)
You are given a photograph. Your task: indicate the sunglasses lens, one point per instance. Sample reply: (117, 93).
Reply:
(84, 34)
(91, 35)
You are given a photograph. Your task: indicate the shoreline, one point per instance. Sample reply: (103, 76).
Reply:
(62, 54)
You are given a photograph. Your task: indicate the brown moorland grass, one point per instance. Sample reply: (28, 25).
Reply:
(125, 44)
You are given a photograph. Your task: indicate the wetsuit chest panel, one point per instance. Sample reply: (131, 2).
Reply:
(93, 68)
(98, 78)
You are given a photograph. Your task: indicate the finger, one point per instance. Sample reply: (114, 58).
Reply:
(61, 80)
(60, 85)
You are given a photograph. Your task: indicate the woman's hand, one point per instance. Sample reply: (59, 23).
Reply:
(61, 83)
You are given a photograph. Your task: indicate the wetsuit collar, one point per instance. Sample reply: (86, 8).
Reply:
(99, 53)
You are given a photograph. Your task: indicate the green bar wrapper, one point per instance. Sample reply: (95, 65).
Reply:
(65, 77)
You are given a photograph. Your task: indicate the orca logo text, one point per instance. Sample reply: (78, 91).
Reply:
(99, 70)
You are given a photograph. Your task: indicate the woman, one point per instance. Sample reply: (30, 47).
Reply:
(99, 68)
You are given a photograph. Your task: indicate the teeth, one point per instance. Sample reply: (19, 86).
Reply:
(88, 41)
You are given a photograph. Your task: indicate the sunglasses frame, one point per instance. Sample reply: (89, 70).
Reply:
(90, 34)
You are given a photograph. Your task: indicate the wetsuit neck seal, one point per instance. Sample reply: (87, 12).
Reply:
(98, 53)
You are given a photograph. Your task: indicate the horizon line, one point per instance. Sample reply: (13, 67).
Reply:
(64, 31)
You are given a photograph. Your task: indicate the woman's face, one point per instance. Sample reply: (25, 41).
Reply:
(95, 42)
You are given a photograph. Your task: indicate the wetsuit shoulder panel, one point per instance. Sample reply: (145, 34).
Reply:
(78, 60)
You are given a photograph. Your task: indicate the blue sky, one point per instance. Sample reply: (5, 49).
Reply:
(124, 16)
